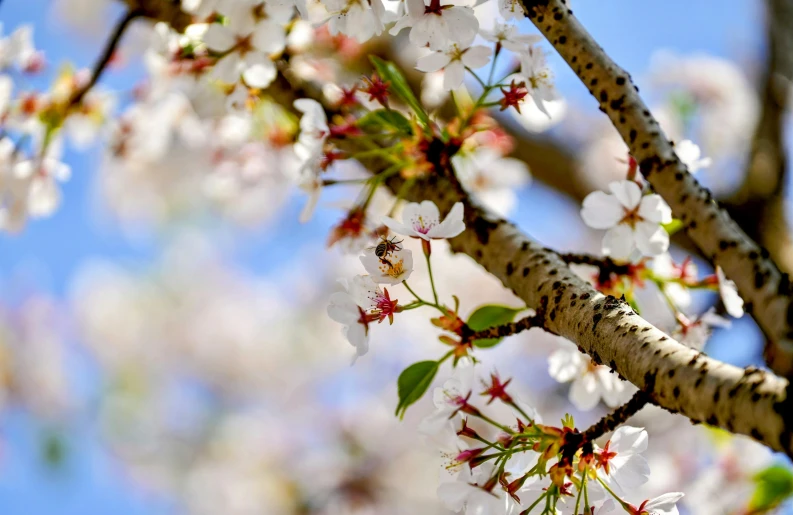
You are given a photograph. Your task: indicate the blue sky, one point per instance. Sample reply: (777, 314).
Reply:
(50, 251)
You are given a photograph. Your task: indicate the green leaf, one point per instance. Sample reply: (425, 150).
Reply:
(673, 226)
(773, 486)
(491, 315)
(384, 119)
(388, 71)
(413, 382)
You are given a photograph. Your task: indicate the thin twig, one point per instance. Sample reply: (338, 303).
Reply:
(617, 417)
(107, 54)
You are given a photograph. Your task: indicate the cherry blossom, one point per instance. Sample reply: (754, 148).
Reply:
(675, 277)
(691, 156)
(733, 302)
(508, 36)
(313, 129)
(468, 492)
(450, 399)
(358, 19)
(665, 504)
(591, 382)
(361, 304)
(423, 221)
(491, 178)
(245, 44)
(44, 174)
(633, 221)
(696, 331)
(538, 77)
(453, 61)
(621, 460)
(437, 26)
(391, 269)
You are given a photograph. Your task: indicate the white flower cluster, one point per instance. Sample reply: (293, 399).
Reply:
(497, 469)
(363, 302)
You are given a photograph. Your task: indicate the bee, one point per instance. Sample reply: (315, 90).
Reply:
(385, 247)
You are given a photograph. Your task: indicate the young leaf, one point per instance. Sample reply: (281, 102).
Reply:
(388, 71)
(673, 226)
(773, 486)
(490, 315)
(384, 119)
(413, 382)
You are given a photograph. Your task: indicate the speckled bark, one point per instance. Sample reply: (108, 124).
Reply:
(765, 289)
(678, 378)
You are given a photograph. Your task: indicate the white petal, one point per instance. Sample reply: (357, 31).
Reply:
(618, 242)
(269, 38)
(584, 393)
(564, 365)
(601, 210)
(653, 208)
(228, 68)
(432, 62)
(629, 439)
(476, 57)
(451, 226)
(651, 239)
(453, 75)
(260, 72)
(219, 38)
(627, 192)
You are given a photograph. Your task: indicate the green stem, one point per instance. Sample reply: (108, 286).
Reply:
(480, 81)
(615, 496)
(535, 503)
(432, 281)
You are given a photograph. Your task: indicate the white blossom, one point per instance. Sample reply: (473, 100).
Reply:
(590, 382)
(358, 19)
(509, 37)
(423, 221)
(621, 459)
(362, 303)
(453, 61)
(246, 43)
(449, 399)
(535, 72)
(391, 269)
(733, 302)
(491, 178)
(695, 332)
(44, 174)
(633, 221)
(691, 156)
(437, 28)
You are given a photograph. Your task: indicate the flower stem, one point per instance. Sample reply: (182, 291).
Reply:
(429, 269)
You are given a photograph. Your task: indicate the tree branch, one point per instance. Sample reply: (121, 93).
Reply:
(750, 402)
(617, 417)
(765, 289)
(107, 54)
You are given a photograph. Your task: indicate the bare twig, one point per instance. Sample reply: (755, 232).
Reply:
(107, 54)
(617, 417)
